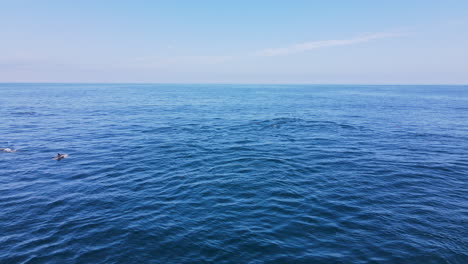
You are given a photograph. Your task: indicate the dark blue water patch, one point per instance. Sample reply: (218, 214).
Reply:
(233, 174)
(24, 113)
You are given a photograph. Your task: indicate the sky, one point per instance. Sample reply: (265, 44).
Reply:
(256, 41)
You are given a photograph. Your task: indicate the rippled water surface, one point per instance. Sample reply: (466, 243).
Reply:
(233, 174)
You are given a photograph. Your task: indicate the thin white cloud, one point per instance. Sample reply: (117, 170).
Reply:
(153, 62)
(323, 44)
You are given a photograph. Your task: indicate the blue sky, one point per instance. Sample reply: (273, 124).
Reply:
(368, 42)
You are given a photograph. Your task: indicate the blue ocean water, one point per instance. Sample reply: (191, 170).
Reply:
(233, 173)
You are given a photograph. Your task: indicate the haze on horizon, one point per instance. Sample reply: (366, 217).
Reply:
(396, 42)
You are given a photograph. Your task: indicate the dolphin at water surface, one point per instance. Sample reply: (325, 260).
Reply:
(9, 150)
(60, 156)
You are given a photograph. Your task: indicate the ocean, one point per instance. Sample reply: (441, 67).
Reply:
(224, 173)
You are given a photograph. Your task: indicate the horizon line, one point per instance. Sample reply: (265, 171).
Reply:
(240, 83)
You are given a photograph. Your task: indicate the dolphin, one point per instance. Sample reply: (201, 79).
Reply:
(7, 150)
(60, 156)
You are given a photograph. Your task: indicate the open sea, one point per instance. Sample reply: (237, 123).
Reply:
(193, 173)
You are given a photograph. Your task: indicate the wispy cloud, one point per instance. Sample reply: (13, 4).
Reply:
(165, 62)
(296, 48)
